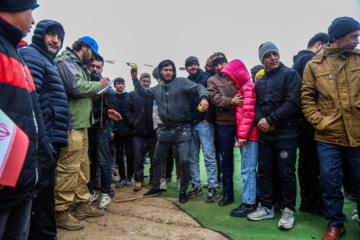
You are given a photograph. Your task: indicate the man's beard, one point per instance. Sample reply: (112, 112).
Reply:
(51, 51)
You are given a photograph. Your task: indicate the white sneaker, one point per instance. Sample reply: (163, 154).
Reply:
(287, 220)
(93, 197)
(163, 186)
(355, 216)
(105, 201)
(261, 213)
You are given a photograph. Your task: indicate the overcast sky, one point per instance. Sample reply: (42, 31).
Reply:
(149, 31)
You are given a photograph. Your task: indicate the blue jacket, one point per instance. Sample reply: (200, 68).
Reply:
(278, 101)
(49, 88)
(200, 78)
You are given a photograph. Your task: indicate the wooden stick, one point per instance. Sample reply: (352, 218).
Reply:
(132, 199)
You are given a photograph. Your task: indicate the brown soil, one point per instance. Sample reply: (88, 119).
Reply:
(148, 218)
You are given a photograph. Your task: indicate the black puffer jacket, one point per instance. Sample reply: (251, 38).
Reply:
(49, 88)
(19, 102)
(121, 127)
(139, 115)
(278, 100)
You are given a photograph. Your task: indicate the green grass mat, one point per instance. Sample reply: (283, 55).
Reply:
(218, 218)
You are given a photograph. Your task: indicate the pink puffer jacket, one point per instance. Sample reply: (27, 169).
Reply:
(245, 115)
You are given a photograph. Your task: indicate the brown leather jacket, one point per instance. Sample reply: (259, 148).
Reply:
(221, 93)
(331, 96)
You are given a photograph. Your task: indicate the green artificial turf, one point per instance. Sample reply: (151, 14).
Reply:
(218, 218)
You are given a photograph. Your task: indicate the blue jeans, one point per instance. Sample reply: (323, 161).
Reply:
(249, 158)
(227, 136)
(99, 139)
(331, 158)
(15, 222)
(203, 133)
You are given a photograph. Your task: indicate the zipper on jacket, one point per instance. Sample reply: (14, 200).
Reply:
(331, 82)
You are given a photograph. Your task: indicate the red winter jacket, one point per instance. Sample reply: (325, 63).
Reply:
(245, 115)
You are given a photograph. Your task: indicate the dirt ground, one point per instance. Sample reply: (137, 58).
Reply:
(148, 218)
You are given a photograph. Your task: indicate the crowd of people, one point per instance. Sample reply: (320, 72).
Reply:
(78, 127)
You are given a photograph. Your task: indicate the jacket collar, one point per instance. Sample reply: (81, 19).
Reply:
(273, 72)
(334, 52)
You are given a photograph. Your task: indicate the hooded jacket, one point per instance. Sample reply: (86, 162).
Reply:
(330, 96)
(245, 115)
(19, 102)
(278, 101)
(300, 61)
(49, 89)
(173, 98)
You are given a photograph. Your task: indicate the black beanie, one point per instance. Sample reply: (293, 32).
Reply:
(17, 5)
(56, 29)
(342, 26)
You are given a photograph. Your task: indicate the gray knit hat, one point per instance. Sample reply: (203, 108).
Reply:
(265, 48)
(191, 60)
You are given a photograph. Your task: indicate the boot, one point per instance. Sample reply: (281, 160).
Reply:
(65, 220)
(84, 210)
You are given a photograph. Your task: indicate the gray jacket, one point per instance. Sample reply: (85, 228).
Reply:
(173, 99)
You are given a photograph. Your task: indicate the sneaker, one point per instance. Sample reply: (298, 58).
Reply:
(183, 198)
(194, 192)
(130, 182)
(287, 220)
(138, 186)
(120, 183)
(212, 196)
(243, 210)
(153, 191)
(112, 193)
(178, 185)
(84, 210)
(261, 213)
(93, 197)
(355, 216)
(67, 221)
(105, 201)
(163, 186)
(206, 185)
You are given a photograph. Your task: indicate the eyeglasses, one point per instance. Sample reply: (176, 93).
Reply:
(95, 66)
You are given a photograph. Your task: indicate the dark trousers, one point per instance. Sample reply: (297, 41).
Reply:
(15, 222)
(181, 137)
(99, 154)
(227, 136)
(168, 165)
(331, 158)
(124, 145)
(308, 168)
(43, 224)
(217, 151)
(283, 153)
(141, 145)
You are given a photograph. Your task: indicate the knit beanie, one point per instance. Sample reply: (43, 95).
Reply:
(17, 5)
(342, 26)
(265, 48)
(56, 28)
(191, 60)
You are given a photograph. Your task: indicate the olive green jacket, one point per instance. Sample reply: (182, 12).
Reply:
(331, 96)
(79, 89)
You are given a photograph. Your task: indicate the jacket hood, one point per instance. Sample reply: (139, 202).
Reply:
(165, 63)
(302, 53)
(39, 33)
(237, 71)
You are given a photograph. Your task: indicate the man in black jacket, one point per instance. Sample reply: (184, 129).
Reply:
(122, 137)
(308, 168)
(19, 102)
(139, 116)
(277, 108)
(39, 56)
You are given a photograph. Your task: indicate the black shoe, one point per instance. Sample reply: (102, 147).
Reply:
(194, 192)
(153, 191)
(146, 175)
(351, 196)
(226, 200)
(183, 198)
(243, 210)
(111, 193)
(212, 196)
(145, 162)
